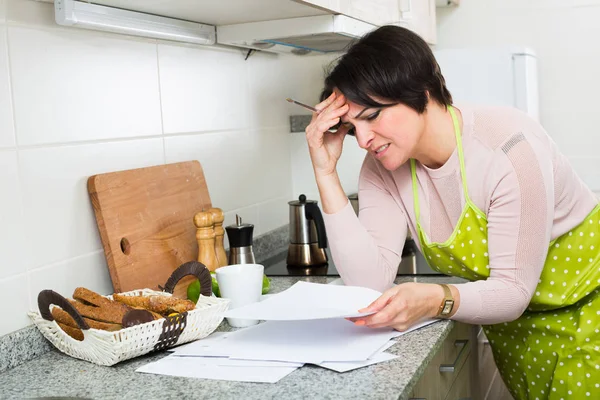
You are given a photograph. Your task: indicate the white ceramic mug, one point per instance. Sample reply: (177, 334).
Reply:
(242, 284)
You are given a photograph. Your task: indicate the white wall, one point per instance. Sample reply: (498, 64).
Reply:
(74, 103)
(303, 176)
(565, 36)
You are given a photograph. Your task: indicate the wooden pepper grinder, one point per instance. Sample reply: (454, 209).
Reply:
(205, 235)
(218, 219)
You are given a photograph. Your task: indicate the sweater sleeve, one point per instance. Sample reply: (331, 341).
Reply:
(367, 250)
(519, 229)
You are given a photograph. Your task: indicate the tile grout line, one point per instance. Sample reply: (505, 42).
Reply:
(55, 263)
(128, 139)
(160, 105)
(22, 234)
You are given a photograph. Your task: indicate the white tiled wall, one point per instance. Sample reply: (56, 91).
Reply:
(564, 35)
(348, 166)
(7, 132)
(12, 250)
(74, 103)
(82, 86)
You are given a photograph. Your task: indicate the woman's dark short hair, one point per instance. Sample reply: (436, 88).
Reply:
(390, 63)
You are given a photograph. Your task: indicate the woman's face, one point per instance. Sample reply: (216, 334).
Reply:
(390, 134)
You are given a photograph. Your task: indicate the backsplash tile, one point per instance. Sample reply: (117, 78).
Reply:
(241, 167)
(7, 131)
(299, 79)
(268, 88)
(192, 79)
(89, 271)
(274, 213)
(53, 71)
(57, 208)
(15, 303)
(303, 178)
(13, 253)
(348, 166)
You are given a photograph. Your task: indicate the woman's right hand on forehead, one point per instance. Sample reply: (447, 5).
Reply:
(326, 147)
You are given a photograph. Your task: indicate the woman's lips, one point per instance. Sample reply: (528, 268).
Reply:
(381, 150)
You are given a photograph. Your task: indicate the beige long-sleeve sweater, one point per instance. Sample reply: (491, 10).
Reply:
(529, 192)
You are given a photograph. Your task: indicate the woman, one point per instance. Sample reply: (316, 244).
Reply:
(490, 199)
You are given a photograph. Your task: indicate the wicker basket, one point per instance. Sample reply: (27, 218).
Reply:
(108, 348)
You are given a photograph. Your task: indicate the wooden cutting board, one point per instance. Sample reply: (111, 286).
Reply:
(146, 221)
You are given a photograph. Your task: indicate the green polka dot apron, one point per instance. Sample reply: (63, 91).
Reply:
(553, 350)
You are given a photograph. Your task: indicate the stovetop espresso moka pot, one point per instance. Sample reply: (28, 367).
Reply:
(308, 239)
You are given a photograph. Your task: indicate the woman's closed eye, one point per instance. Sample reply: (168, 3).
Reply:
(352, 129)
(373, 116)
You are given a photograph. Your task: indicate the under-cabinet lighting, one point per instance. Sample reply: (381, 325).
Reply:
(110, 19)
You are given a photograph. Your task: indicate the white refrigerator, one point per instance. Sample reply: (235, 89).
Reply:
(504, 76)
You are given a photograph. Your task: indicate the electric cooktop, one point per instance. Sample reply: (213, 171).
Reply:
(412, 263)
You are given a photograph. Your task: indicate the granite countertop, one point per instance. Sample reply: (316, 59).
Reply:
(57, 375)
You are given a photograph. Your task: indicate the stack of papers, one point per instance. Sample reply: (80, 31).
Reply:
(304, 325)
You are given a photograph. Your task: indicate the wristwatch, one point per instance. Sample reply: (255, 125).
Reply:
(448, 302)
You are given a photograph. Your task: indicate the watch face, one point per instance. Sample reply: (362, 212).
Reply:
(447, 307)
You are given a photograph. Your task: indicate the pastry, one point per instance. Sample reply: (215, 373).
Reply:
(63, 317)
(168, 305)
(104, 314)
(163, 305)
(89, 297)
(75, 333)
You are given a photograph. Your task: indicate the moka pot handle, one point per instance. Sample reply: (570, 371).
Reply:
(312, 212)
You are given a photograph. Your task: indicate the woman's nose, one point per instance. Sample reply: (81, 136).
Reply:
(364, 137)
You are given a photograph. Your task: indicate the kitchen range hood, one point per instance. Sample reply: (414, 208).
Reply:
(316, 34)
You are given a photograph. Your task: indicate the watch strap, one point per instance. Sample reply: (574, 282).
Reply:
(448, 302)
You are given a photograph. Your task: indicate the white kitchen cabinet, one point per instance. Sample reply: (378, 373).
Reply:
(419, 16)
(416, 15)
(376, 12)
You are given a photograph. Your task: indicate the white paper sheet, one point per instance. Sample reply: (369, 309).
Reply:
(206, 342)
(230, 362)
(306, 301)
(379, 356)
(349, 366)
(312, 341)
(191, 367)
(385, 347)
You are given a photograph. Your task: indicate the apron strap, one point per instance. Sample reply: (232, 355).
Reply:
(461, 158)
(459, 147)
